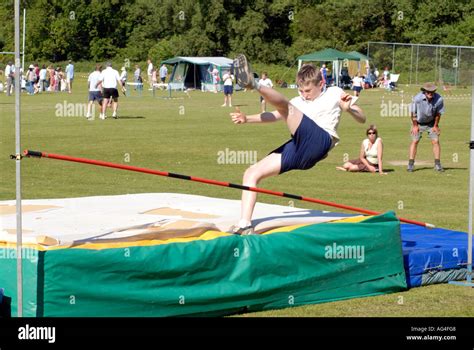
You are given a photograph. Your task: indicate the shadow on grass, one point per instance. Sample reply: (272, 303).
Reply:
(129, 117)
(432, 169)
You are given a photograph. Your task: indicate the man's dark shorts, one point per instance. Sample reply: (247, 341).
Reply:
(111, 93)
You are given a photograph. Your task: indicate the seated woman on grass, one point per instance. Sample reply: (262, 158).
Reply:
(370, 157)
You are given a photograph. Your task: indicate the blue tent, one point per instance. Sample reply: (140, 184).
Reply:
(195, 72)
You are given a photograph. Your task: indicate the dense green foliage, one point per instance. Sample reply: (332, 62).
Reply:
(268, 31)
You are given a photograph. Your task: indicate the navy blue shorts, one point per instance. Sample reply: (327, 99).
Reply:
(95, 96)
(228, 89)
(308, 145)
(357, 88)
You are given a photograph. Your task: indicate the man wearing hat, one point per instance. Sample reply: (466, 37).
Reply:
(426, 111)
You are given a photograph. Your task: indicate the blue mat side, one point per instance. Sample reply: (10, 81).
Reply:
(428, 251)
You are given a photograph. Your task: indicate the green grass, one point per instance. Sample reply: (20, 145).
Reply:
(184, 136)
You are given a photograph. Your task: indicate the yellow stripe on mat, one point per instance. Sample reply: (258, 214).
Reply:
(206, 236)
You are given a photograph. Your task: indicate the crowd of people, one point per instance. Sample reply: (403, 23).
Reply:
(426, 109)
(37, 80)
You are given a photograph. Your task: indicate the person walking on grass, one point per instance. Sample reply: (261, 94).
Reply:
(109, 80)
(312, 119)
(95, 90)
(426, 111)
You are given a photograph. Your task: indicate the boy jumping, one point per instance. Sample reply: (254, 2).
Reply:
(312, 119)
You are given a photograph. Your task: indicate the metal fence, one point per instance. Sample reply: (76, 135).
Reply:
(420, 63)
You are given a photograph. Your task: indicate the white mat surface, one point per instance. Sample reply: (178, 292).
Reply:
(66, 220)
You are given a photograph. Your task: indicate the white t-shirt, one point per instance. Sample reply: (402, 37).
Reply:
(324, 110)
(8, 70)
(150, 68)
(163, 72)
(43, 73)
(357, 81)
(228, 78)
(109, 78)
(266, 82)
(93, 79)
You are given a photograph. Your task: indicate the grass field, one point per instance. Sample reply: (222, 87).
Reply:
(185, 134)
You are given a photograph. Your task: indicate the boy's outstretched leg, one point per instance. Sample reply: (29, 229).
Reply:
(268, 166)
(245, 78)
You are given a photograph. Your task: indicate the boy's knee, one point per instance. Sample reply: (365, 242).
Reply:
(251, 175)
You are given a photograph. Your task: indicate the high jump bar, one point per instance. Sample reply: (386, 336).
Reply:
(37, 154)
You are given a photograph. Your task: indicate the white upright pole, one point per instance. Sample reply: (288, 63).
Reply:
(24, 35)
(19, 266)
(471, 190)
(468, 281)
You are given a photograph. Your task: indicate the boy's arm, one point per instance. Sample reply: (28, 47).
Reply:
(265, 117)
(347, 105)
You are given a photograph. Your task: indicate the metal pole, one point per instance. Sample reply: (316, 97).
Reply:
(19, 267)
(411, 63)
(471, 190)
(393, 59)
(24, 35)
(458, 62)
(468, 282)
(417, 54)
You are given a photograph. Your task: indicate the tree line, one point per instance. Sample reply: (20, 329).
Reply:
(267, 31)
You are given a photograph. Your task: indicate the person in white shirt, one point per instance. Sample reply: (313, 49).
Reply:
(357, 84)
(215, 78)
(264, 81)
(228, 80)
(312, 119)
(69, 76)
(95, 90)
(10, 74)
(123, 76)
(109, 80)
(370, 155)
(163, 73)
(42, 78)
(149, 72)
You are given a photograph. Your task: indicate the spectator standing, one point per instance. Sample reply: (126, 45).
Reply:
(426, 111)
(149, 72)
(228, 79)
(163, 73)
(10, 74)
(264, 81)
(42, 78)
(69, 76)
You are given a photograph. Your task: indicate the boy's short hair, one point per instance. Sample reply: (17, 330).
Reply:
(309, 74)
